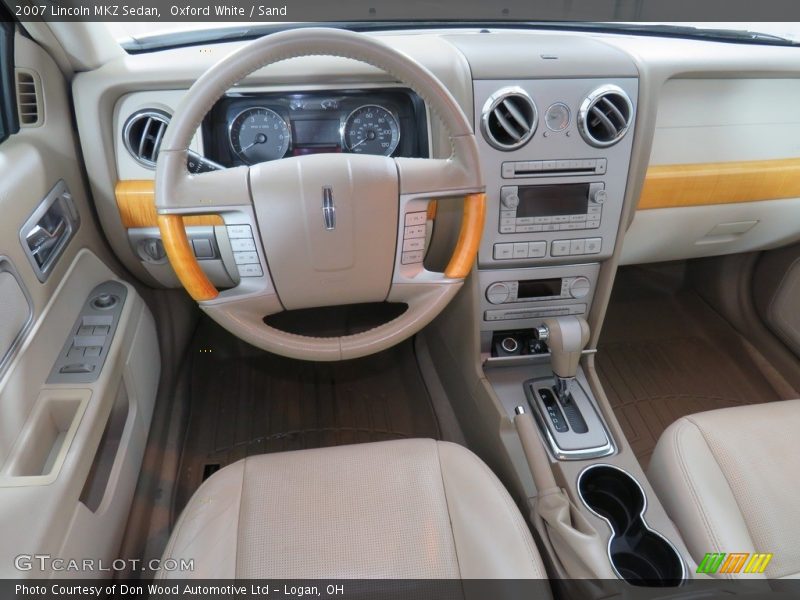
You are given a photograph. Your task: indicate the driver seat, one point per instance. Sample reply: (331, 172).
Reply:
(403, 509)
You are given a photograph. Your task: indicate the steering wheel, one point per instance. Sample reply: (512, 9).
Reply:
(328, 229)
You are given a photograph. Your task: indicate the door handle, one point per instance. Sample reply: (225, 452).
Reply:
(42, 241)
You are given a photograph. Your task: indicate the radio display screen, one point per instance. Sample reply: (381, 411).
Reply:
(553, 200)
(539, 288)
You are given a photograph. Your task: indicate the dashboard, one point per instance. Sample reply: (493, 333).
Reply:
(572, 129)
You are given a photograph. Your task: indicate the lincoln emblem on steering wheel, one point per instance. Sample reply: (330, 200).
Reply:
(328, 208)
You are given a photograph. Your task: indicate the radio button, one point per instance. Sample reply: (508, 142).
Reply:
(542, 220)
(550, 227)
(594, 210)
(497, 293)
(548, 165)
(507, 229)
(594, 245)
(577, 247)
(508, 222)
(508, 197)
(560, 248)
(561, 219)
(537, 249)
(577, 218)
(528, 228)
(580, 287)
(521, 250)
(525, 221)
(508, 214)
(508, 170)
(503, 251)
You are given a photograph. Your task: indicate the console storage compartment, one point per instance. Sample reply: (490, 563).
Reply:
(638, 554)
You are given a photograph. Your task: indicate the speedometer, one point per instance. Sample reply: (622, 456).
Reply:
(259, 134)
(371, 129)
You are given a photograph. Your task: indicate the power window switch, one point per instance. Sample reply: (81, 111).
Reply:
(93, 351)
(101, 330)
(85, 330)
(77, 368)
(75, 352)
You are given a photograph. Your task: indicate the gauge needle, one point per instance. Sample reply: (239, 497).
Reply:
(260, 139)
(358, 144)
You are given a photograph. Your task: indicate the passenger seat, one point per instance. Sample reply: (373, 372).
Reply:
(730, 480)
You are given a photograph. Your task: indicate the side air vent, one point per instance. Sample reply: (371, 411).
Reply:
(509, 119)
(605, 116)
(143, 133)
(29, 98)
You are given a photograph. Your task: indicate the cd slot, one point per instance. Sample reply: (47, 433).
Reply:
(545, 172)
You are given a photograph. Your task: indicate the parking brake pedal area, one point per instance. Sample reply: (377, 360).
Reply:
(82, 357)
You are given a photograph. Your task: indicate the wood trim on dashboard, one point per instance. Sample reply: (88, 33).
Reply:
(700, 184)
(136, 200)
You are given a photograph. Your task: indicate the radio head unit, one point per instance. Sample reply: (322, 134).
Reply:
(551, 207)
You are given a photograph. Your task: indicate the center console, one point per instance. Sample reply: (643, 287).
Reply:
(556, 155)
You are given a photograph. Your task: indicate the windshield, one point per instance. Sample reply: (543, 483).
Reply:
(129, 33)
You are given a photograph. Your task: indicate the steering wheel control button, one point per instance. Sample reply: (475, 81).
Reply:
(560, 248)
(243, 245)
(416, 218)
(203, 249)
(410, 258)
(415, 231)
(413, 244)
(245, 258)
(240, 231)
(503, 251)
(250, 270)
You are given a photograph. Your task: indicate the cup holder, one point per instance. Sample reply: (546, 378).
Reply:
(638, 554)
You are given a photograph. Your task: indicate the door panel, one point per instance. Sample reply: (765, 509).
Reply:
(70, 447)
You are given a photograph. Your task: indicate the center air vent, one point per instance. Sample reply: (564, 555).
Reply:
(605, 116)
(509, 119)
(143, 133)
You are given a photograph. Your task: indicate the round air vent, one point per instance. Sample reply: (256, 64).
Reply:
(509, 119)
(605, 116)
(143, 133)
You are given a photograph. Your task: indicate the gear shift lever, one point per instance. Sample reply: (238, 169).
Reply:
(566, 337)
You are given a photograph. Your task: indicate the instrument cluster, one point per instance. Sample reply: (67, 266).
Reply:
(249, 128)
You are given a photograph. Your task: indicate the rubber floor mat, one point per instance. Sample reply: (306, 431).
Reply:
(666, 355)
(246, 402)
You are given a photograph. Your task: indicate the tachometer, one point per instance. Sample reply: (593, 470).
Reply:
(371, 129)
(259, 134)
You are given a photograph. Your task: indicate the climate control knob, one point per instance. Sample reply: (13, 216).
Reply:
(497, 293)
(579, 287)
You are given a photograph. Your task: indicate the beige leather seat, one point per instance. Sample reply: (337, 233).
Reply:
(401, 509)
(729, 480)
